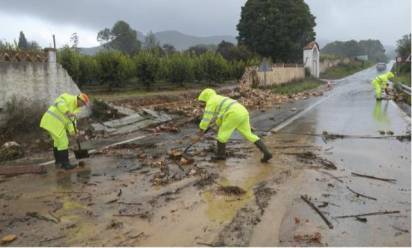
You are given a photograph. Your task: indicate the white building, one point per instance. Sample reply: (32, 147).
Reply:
(311, 58)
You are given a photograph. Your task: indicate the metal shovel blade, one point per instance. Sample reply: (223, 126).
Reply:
(79, 154)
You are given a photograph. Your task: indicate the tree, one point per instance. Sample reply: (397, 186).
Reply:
(197, 50)
(70, 61)
(114, 68)
(180, 68)
(215, 67)
(169, 49)
(146, 67)
(23, 44)
(121, 37)
(404, 46)
(74, 40)
(350, 49)
(276, 28)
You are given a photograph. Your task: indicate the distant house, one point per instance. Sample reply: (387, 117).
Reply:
(311, 58)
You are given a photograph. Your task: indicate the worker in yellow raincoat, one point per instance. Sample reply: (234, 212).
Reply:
(59, 121)
(381, 83)
(229, 115)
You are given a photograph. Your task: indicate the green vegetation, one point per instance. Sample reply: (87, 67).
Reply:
(22, 45)
(298, 86)
(404, 46)
(277, 29)
(153, 65)
(343, 70)
(350, 49)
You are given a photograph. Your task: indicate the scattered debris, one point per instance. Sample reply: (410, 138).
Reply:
(332, 176)
(400, 229)
(306, 199)
(372, 177)
(11, 150)
(11, 170)
(360, 219)
(359, 194)
(331, 136)
(230, 190)
(310, 157)
(52, 239)
(308, 238)
(38, 216)
(8, 238)
(367, 214)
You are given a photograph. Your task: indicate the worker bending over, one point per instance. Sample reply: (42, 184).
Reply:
(381, 83)
(228, 115)
(59, 121)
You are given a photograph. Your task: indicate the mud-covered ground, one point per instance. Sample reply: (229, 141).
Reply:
(146, 193)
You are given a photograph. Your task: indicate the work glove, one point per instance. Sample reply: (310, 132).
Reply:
(71, 116)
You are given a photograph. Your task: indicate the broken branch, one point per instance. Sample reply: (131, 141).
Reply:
(359, 194)
(332, 176)
(305, 199)
(367, 214)
(372, 177)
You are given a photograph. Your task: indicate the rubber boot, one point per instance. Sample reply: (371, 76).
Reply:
(220, 152)
(65, 160)
(57, 158)
(266, 154)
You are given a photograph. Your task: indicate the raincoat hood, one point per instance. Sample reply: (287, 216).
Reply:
(206, 94)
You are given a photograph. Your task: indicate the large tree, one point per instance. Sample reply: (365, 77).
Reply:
(121, 37)
(404, 46)
(276, 28)
(23, 44)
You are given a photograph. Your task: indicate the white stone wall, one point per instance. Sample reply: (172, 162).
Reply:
(278, 75)
(34, 82)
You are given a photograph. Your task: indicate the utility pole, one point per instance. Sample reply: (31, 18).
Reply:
(54, 42)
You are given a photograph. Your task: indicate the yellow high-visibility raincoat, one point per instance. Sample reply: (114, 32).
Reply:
(56, 122)
(381, 82)
(228, 115)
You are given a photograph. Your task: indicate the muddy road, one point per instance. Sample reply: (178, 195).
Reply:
(145, 193)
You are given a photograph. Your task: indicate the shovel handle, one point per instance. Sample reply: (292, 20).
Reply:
(77, 138)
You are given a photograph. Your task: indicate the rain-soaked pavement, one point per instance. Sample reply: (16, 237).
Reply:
(114, 201)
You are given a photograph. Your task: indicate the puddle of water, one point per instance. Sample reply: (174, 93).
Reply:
(223, 208)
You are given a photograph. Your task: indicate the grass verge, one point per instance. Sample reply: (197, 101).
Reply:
(297, 86)
(343, 70)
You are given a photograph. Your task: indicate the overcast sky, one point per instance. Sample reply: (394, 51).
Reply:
(336, 19)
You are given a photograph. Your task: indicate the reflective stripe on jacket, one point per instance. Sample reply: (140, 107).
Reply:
(55, 119)
(217, 108)
(381, 80)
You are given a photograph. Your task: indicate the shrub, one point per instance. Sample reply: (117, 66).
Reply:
(22, 116)
(146, 67)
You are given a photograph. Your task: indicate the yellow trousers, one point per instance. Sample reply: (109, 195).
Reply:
(60, 142)
(236, 121)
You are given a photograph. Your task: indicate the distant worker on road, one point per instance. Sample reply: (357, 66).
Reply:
(381, 83)
(229, 115)
(60, 120)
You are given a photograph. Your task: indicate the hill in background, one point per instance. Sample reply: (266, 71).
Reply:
(179, 40)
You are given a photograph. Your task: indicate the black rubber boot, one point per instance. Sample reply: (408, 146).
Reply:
(65, 160)
(57, 158)
(220, 152)
(266, 154)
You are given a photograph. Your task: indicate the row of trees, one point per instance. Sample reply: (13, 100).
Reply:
(21, 44)
(116, 69)
(373, 48)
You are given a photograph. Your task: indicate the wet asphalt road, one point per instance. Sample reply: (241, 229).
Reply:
(351, 109)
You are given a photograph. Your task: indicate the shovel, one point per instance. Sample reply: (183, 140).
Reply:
(195, 141)
(80, 153)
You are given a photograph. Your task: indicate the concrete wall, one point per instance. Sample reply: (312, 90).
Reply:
(327, 63)
(34, 81)
(278, 75)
